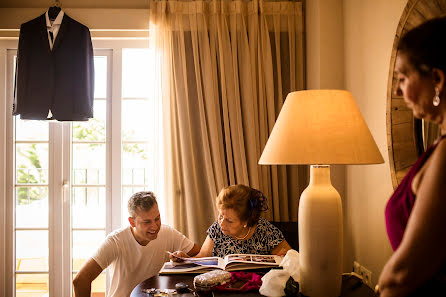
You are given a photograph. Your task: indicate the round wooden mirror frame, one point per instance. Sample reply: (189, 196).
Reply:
(403, 130)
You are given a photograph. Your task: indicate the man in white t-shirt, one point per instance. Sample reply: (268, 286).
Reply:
(133, 253)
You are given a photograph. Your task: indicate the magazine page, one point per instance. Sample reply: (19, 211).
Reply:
(205, 261)
(192, 265)
(249, 260)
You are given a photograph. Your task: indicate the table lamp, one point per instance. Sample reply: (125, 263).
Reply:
(320, 127)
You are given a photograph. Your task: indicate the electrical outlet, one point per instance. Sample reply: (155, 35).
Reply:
(366, 276)
(364, 273)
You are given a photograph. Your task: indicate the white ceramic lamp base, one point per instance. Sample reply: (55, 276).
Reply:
(320, 236)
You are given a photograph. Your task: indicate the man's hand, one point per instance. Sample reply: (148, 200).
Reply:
(178, 256)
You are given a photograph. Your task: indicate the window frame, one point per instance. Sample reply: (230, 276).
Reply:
(59, 227)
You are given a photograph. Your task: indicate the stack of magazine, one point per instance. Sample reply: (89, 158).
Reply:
(232, 262)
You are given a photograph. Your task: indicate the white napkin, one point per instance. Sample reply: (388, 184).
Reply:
(290, 263)
(274, 282)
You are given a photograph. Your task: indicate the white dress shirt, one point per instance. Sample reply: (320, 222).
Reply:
(53, 27)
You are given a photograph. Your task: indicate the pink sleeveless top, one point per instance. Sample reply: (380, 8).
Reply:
(400, 204)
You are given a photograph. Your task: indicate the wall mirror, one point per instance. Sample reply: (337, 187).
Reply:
(407, 137)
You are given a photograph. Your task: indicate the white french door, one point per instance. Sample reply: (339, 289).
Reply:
(67, 183)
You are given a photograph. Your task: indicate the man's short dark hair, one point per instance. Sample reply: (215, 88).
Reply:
(143, 200)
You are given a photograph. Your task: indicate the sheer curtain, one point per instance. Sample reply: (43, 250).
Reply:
(226, 67)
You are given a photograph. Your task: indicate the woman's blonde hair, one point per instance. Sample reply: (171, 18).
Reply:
(248, 203)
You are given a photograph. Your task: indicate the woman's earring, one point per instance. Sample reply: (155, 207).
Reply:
(436, 100)
(244, 226)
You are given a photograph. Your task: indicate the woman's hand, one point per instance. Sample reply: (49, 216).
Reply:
(281, 249)
(178, 256)
(282, 252)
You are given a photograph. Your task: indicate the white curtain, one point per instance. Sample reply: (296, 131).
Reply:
(226, 67)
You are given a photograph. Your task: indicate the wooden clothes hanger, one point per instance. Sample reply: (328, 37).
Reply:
(53, 11)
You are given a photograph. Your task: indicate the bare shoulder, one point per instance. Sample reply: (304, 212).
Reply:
(441, 145)
(435, 173)
(439, 155)
(436, 165)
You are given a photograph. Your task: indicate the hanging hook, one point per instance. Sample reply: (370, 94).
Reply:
(53, 11)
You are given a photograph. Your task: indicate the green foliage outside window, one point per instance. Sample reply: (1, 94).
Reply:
(94, 131)
(33, 174)
(30, 175)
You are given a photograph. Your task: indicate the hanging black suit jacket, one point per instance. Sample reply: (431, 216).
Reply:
(61, 79)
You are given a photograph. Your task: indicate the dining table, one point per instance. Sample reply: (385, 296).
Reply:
(164, 285)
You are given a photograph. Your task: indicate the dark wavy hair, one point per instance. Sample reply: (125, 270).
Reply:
(425, 46)
(247, 202)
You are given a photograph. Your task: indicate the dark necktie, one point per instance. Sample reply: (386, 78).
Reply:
(52, 37)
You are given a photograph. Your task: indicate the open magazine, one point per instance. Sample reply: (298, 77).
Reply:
(232, 262)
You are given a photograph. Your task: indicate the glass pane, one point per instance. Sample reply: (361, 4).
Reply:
(133, 128)
(32, 285)
(35, 258)
(134, 176)
(94, 129)
(89, 164)
(97, 286)
(137, 73)
(31, 208)
(100, 77)
(137, 164)
(88, 207)
(31, 130)
(32, 163)
(85, 243)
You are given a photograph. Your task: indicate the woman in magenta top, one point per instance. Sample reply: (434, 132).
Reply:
(416, 212)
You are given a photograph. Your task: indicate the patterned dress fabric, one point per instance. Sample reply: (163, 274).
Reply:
(265, 238)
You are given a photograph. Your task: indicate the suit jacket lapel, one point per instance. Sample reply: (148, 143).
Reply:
(62, 31)
(44, 31)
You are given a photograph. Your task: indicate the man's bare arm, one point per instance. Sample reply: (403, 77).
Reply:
(194, 250)
(88, 273)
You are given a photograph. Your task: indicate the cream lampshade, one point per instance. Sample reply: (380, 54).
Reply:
(320, 127)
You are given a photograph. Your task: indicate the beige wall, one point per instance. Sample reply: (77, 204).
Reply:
(105, 18)
(349, 43)
(369, 30)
